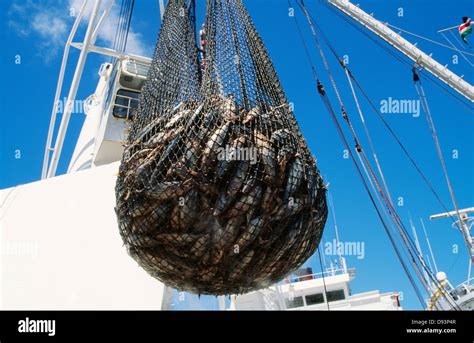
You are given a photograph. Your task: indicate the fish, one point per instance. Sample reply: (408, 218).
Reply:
(216, 141)
(229, 108)
(165, 191)
(242, 263)
(250, 234)
(223, 239)
(238, 178)
(200, 245)
(184, 213)
(246, 202)
(266, 156)
(294, 179)
(251, 116)
(142, 241)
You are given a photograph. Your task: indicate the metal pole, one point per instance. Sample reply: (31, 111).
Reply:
(52, 122)
(104, 15)
(73, 92)
(449, 29)
(411, 51)
(429, 245)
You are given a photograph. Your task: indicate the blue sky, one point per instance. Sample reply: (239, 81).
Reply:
(37, 34)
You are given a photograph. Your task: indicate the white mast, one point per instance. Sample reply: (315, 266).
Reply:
(408, 49)
(72, 92)
(95, 22)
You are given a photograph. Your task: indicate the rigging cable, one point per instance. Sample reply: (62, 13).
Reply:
(429, 40)
(328, 105)
(385, 123)
(388, 203)
(426, 109)
(452, 44)
(392, 53)
(324, 279)
(403, 232)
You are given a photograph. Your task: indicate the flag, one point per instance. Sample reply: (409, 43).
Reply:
(465, 28)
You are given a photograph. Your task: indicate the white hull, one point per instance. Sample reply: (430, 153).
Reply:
(61, 247)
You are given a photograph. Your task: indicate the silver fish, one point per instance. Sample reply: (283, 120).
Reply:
(238, 179)
(250, 234)
(165, 191)
(215, 142)
(246, 202)
(200, 246)
(183, 215)
(294, 179)
(242, 263)
(251, 115)
(266, 155)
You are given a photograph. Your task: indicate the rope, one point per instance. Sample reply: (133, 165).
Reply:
(387, 126)
(429, 40)
(328, 105)
(361, 151)
(324, 279)
(389, 51)
(369, 138)
(452, 44)
(426, 109)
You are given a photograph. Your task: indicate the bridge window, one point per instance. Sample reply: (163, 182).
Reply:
(125, 102)
(296, 302)
(335, 295)
(314, 299)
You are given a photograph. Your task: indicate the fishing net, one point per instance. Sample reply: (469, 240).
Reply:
(217, 191)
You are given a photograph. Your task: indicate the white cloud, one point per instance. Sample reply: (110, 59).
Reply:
(108, 29)
(52, 20)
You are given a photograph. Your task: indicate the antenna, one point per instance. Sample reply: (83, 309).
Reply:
(429, 245)
(336, 230)
(418, 248)
(405, 47)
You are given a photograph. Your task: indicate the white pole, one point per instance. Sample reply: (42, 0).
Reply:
(73, 92)
(449, 29)
(418, 248)
(104, 15)
(411, 51)
(52, 121)
(221, 299)
(429, 245)
(338, 247)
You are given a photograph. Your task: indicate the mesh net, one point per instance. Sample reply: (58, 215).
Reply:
(217, 191)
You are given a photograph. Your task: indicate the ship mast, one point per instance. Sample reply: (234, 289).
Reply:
(405, 47)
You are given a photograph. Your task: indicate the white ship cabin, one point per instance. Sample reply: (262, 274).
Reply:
(305, 290)
(108, 110)
(459, 297)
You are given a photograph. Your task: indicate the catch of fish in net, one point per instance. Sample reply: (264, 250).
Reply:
(217, 191)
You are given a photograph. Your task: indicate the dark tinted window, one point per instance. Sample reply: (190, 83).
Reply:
(314, 299)
(295, 302)
(125, 102)
(335, 295)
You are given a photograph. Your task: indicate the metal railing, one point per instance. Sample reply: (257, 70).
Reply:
(326, 273)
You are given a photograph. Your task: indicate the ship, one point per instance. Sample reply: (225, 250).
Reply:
(66, 253)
